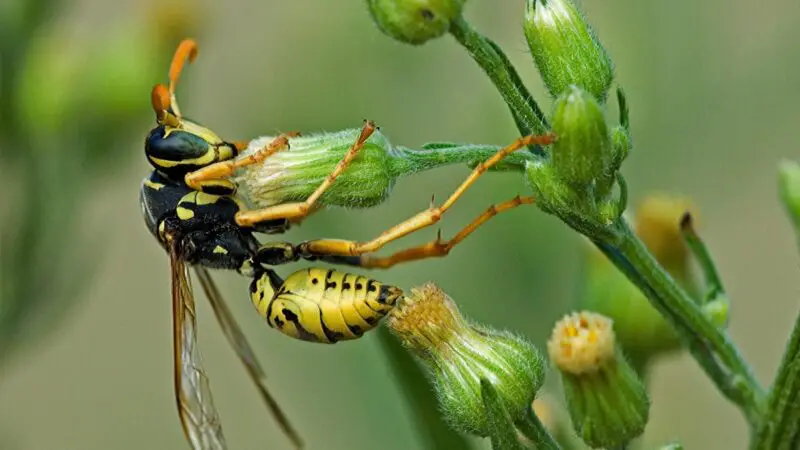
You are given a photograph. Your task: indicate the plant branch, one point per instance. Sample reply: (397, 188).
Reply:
(710, 345)
(780, 427)
(527, 114)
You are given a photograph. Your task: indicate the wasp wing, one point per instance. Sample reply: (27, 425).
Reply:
(245, 352)
(198, 415)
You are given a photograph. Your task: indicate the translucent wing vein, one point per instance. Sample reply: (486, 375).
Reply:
(198, 415)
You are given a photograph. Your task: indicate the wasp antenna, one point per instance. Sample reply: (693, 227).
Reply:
(162, 103)
(187, 50)
(160, 100)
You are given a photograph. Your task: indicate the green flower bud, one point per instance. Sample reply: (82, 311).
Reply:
(582, 154)
(606, 400)
(293, 174)
(719, 310)
(790, 190)
(565, 49)
(414, 21)
(459, 353)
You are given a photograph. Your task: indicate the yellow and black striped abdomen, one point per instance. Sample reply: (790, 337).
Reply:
(322, 305)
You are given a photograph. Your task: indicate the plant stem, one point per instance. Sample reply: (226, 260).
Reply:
(413, 161)
(535, 431)
(527, 114)
(780, 427)
(710, 345)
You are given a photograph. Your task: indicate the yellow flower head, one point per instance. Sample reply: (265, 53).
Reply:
(582, 343)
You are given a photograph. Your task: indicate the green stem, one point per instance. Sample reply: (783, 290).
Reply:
(533, 429)
(488, 55)
(780, 428)
(710, 345)
(704, 259)
(435, 155)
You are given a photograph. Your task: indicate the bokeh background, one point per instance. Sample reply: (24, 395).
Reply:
(713, 94)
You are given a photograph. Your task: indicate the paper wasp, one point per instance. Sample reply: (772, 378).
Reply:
(191, 206)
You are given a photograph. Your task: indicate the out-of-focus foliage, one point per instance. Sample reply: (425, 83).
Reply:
(68, 103)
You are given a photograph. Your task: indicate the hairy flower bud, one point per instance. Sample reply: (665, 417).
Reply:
(582, 154)
(414, 21)
(607, 401)
(459, 354)
(565, 49)
(292, 175)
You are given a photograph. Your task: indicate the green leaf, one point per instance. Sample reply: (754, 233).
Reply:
(502, 432)
(421, 399)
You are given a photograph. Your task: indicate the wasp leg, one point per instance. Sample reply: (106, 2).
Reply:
(421, 220)
(212, 174)
(437, 248)
(277, 253)
(297, 211)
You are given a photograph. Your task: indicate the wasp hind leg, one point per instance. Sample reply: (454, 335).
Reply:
(433, 249)
(426, 218)
(295, 212)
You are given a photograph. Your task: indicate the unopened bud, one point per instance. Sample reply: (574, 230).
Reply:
(565, 49)
(582, 154)
(414, 21)
(459, 354)
(658, 224)
(606, 400)
(293, 174)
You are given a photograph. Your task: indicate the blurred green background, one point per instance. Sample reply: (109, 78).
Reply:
(713, 94)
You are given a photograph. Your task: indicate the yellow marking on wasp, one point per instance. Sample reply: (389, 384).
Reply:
(220, 249)
(161, 228)
(262, 297)
(153, 185)
(206, 159)
(199, 198)
(206, 199)
(195, 129)
(184, 213)
(324, 306)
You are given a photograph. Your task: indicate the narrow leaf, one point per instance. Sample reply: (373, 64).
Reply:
(501, 429)
(420, 397)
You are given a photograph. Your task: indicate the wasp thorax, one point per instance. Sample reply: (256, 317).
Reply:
(459, 354)
(292, 174)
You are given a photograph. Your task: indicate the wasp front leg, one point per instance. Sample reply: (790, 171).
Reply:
(295, 212)
(218, 173)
